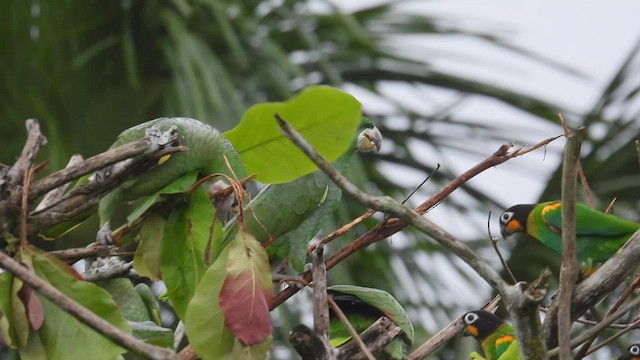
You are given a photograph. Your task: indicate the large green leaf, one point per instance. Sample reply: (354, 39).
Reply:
(384, 302)
(61, 332)
(7, 328)
(204, 322)
(326, 117)
(185, 238)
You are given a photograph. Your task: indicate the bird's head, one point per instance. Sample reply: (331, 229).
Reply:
(514, 219)
(633, 353)
(480, 324)
(369, 138)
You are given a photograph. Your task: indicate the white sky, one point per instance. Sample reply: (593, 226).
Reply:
(593, 38)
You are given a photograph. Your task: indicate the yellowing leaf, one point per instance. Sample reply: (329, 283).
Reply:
(148, 255)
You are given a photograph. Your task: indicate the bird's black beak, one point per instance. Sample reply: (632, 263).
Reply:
(505, 232)
(369, 140)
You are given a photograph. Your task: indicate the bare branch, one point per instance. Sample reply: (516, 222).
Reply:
(521, 300)
(570, 269)
(35, 141)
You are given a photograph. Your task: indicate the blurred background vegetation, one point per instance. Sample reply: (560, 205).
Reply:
(89, 69)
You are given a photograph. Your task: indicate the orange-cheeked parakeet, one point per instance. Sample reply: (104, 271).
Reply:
(633, 353)
(497, 338)
(599, 235)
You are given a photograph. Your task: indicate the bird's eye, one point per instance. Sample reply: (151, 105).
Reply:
(470, 318)
(634, 349)
(506, 217)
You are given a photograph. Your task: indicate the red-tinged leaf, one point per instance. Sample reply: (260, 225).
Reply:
(246, 292)
(207, 332)
(245, 308)
(35, 312)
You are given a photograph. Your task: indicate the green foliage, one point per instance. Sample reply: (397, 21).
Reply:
(89, 69)
(204, 321)
(61, 332)
(185, 238)
(327, 118)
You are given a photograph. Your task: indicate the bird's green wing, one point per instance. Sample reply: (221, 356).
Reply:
(280, 208)
(589, 222)
(498, 343)
(293, 245)
(512, 352)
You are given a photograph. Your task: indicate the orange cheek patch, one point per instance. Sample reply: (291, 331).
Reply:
(514, 226)
(472, 330)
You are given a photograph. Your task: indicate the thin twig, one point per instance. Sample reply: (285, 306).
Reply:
(609, 209)
(494, 243)
(391, 226)
(83, 314)
(23, 207)
(341, 231)
(599, 327)
(584, 350)
(630, 327)
(422, 183)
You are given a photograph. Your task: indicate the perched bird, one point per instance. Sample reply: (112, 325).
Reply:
(633, 353)
(301, 205)
(497, 338)
(599, 235)
(204, 156)
(363, 306)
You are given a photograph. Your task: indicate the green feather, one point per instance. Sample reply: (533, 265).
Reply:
(599, 235)
(206, 152)
(497, 338)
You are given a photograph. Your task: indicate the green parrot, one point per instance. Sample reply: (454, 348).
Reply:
(363, 306)
(205, 155)
(633, 353)
(290, 214)
(497, 338)
(598, 235)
